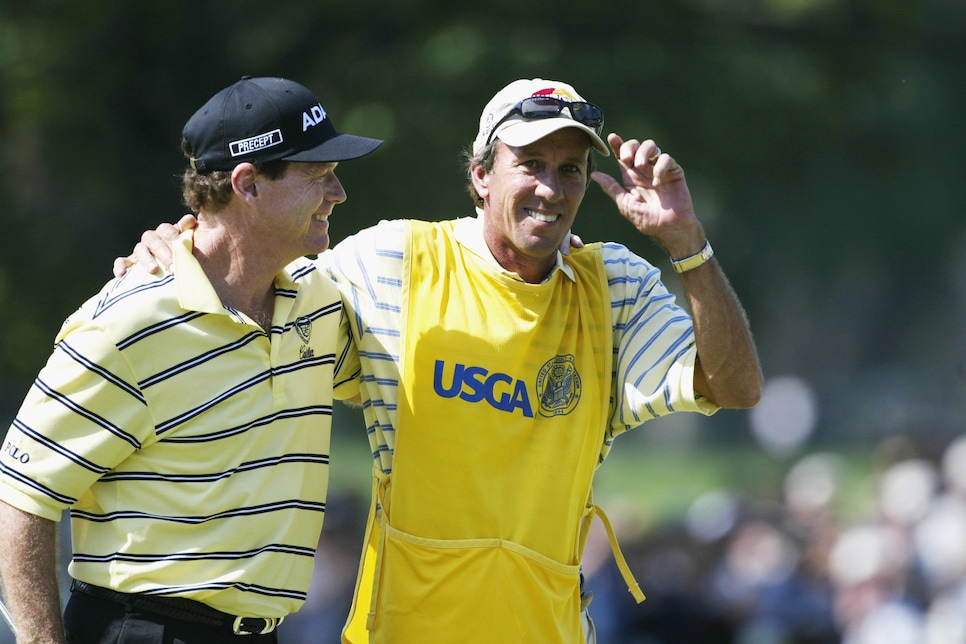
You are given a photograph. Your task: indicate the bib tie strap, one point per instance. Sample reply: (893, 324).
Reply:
(632, 586)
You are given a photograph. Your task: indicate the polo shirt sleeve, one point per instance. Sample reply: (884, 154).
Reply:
(345, 379)
(83, 415)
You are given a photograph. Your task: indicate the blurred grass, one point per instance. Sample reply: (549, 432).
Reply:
(653, 474)
(655, 487)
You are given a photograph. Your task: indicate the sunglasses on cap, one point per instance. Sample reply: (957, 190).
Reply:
(548, 107)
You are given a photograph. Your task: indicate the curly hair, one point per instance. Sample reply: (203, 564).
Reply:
(212, 191)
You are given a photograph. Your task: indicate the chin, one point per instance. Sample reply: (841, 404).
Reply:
(321, 246)
(546, 246)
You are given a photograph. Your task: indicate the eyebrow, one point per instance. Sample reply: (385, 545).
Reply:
(528, 150)
(318, 169)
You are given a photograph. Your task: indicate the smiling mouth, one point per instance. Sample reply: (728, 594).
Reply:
(539, 216)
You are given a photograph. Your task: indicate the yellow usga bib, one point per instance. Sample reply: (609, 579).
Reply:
(503, 404)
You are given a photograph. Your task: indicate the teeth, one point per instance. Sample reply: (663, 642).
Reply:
(547, 219)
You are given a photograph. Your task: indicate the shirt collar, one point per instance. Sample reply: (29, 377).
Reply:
(469, 234)
(195, 292)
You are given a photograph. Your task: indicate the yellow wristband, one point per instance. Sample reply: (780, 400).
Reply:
(688, 263)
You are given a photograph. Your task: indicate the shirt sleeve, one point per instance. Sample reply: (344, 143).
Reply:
(654, 341)
(368, 269)
(345, 381)
(82, 416)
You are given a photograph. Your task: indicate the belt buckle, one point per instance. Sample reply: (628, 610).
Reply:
(270, 624)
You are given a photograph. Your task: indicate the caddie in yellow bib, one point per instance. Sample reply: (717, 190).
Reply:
(481, 525)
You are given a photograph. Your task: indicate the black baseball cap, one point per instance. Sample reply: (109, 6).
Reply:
(266, 119)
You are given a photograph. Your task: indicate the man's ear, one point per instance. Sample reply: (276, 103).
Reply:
(481, 180)
(243, 181)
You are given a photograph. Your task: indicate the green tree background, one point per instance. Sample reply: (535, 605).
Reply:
(822, 138)
(823, 141)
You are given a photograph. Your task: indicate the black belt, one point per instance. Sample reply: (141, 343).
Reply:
(182, 608)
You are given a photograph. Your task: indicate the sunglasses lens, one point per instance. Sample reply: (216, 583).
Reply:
(541, 107)
(588, 114)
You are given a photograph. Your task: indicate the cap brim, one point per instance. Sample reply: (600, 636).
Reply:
(340, 147)
(520, 132)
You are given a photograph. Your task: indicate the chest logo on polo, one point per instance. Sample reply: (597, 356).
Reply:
(303, 326)
(558, 386)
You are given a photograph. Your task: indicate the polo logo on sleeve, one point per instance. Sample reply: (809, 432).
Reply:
(255, 143)
(14, 452)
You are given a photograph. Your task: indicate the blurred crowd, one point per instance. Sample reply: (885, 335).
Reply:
(796, 571)
(791, 570)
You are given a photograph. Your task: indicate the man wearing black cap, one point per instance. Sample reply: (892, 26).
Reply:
(183, 420)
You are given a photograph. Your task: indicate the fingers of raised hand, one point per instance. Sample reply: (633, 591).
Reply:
(647, 154)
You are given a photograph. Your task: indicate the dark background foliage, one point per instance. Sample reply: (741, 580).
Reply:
(823, 142)
(822, 139)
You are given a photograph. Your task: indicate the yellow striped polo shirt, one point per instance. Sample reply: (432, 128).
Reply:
(190, 445)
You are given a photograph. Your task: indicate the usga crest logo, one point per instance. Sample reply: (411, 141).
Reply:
(558, 386)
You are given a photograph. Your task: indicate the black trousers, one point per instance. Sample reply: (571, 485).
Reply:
(91, 620)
